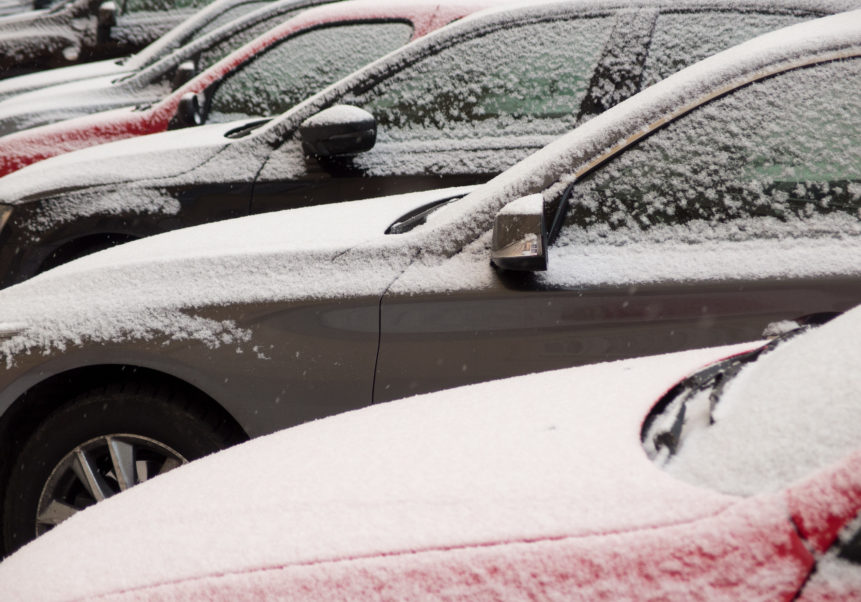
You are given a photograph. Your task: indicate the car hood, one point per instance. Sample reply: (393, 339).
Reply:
(159, 156)
(69, 100)
(513, 466)
(152, 286)
(52, 77)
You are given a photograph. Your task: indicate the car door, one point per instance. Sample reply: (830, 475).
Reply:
(461, 113)
(740, 213)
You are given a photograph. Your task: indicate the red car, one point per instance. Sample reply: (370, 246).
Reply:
(533, 488)
(364, 31)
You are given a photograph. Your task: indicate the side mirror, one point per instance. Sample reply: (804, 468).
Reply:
(519, 236)
(188, 112)
(338, 130)
(107, 14)
(184, 72)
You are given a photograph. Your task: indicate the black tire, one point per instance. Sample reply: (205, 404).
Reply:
(150, 431)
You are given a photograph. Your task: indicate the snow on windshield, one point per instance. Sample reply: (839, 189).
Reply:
(791, 412)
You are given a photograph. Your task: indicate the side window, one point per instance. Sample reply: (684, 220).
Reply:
(218, 51)
(134, 6)
(231, 14)
(523, 80)
(300, 66)
(684, 38)
(777, 157)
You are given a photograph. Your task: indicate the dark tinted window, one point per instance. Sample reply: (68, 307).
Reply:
(229, 15)
(218, 51)
(528, 79)
(780, 156)
(133, 6)
(682, 39)
(300, 66)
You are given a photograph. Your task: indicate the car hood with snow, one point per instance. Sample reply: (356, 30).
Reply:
(530, 487)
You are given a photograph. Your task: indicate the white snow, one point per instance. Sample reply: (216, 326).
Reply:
(521, 467)
(792, 411)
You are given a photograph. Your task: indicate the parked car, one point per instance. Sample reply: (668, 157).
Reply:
(348, 41)
(451, 110)
(215, 16)
(535, 487)
(85, 30)
(697, 213)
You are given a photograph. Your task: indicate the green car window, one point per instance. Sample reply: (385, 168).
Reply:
(300, 66)
(777, 157)
(134, 6)
(216, 52)
(522, 80)
(683, 38)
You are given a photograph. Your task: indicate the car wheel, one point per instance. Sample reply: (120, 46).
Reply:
(99, 444)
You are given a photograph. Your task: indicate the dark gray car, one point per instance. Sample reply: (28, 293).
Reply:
(454, 108)
(696, 213)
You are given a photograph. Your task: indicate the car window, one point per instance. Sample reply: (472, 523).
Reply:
(133, 6)
(523, 80)
(231, 14)
(218, 51)
(300, 66)
(684, 38)
(779, 157)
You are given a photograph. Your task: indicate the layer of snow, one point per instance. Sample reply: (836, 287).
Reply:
(787, 414)
(150, 288)
(523, 464)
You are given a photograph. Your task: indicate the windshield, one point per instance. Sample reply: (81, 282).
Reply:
(761, 420)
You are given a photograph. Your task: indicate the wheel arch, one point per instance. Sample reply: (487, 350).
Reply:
(38, 401)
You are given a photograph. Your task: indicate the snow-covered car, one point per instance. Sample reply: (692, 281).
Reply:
(452, 109)
(85, 30)
(697, 213)
(226, 17)
(532, 488)
(290, 61)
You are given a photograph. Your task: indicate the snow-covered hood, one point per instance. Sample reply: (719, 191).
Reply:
(52, 77)
(132, 160)
(520, 463)
(322, 252)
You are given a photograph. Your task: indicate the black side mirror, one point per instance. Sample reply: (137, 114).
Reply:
(338, 130)
(107, 16)
(188, 113)
(520, 236)
(184, 72)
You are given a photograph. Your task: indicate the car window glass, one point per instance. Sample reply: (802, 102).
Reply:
(229, 15)
(133, 6)
(522, 80)
(218, 51)
(683, 38)
(779, 157)
(300, 66)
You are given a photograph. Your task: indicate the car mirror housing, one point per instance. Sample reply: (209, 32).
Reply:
(519, 236)
(338, 130)
(188, 113)
(184, 72)
(107, 16)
